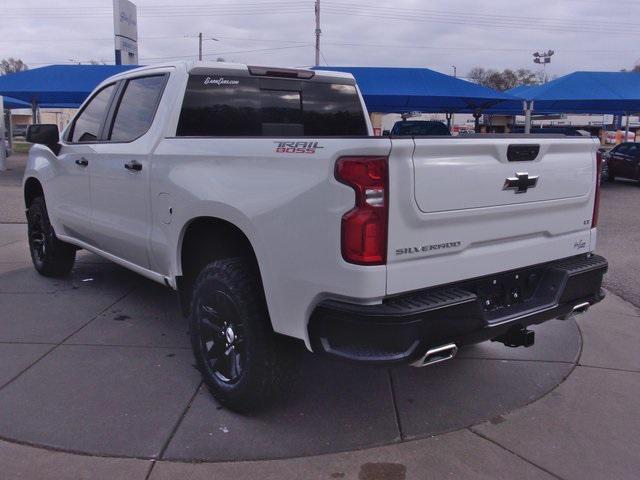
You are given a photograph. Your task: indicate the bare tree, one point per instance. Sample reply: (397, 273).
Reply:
(12, 65)
(504, 80)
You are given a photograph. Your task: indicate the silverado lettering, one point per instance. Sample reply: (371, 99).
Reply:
(427, 248)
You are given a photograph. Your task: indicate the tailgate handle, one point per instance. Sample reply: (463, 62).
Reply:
(522, 153)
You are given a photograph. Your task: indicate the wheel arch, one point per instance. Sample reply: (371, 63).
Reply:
(32, 189)
(204, 239)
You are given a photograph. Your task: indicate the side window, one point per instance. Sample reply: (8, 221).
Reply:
(220, 106)
(332, 109)
(86, 127)
(137, 108)
(281, 112)
(632, 150)
(622, 149)
(217, 105)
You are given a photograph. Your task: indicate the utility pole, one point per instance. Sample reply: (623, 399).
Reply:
(318, 31)
(200, 40)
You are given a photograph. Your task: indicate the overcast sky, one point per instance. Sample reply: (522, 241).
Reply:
(585, 34)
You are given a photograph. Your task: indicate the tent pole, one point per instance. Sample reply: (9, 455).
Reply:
(3, 158)
(476, 123)
(528, 106)
(626, 127)
(34, 112)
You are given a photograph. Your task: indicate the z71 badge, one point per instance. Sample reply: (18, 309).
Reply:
(297, 147)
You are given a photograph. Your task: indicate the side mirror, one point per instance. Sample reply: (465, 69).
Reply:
(44, 134)
(386, 133)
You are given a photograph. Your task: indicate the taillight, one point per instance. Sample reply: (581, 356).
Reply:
(364, 228)
(596, 201)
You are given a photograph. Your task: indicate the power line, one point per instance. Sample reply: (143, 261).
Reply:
(164, 37)
(468, 15)
(472, 15)
(209, 55)
(230, 52)
(463, 48)
(455, 19)
(182, 11)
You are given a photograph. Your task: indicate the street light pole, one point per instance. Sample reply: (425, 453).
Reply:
(543, 58)
(452, 118)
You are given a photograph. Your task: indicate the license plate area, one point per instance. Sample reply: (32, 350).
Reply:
(512, 293)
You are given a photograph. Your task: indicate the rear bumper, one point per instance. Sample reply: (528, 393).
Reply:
(403, 327)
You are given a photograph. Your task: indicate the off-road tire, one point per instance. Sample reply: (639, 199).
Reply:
(51, 257)
(227, 293)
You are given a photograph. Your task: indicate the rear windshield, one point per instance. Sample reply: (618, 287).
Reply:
(428, 127)
(252, 107)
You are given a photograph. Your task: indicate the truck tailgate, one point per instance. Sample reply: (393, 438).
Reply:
(463, 208)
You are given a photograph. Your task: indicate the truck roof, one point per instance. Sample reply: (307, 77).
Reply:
(197, 65)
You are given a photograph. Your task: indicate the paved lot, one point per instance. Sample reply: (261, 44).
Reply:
(619, 237)
(11, 203)
(97, 382)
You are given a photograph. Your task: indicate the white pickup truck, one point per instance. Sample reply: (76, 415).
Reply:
(261, 195)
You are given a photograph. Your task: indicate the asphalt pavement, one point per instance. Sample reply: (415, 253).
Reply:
(619, 237)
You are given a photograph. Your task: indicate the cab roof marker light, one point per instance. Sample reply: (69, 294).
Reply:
(280, 72)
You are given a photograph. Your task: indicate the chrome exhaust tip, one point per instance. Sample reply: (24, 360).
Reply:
(437, 355)
(577, 310)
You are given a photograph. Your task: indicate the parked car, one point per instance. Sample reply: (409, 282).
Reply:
(622, 161)
(262, 197)
(419, 128)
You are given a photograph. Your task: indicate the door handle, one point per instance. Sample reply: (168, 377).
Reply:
(133, 166)
(83, 162)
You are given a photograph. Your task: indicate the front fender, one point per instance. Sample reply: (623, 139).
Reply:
(40, 165)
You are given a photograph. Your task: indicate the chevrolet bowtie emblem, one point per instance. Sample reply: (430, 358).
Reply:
(521, 182)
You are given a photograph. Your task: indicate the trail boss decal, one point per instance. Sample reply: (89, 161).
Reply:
(297, 147)
(427, 248)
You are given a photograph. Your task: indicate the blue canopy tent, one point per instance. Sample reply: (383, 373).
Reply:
(583, 92)
(57, 85)
(11, 103)
(404, 90)
(400, 90)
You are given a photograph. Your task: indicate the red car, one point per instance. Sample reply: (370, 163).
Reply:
(623, 161)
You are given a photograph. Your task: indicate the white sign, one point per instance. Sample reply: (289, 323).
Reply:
(128, 51)
(125, 19)
(125, 28)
